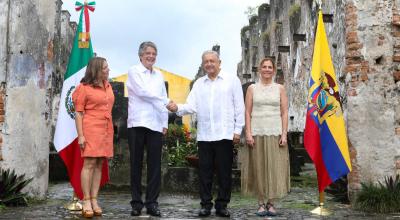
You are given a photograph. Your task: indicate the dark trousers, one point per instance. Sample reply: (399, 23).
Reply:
(215, 155)
(138, 137)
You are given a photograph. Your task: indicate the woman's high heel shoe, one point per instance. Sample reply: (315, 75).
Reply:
(87, 213)
(98, 211)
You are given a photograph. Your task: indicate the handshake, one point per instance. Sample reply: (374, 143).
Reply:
(172, 106)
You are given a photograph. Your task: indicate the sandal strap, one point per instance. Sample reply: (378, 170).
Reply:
(98, 208)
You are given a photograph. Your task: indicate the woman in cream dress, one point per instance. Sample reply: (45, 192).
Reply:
(265, 160)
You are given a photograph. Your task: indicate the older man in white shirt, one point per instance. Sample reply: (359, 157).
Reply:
(147, 122)
(217, 100)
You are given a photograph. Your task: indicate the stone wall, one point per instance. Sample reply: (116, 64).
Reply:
(373, 91)
(33, 53)
(364, 39)
(4, 9)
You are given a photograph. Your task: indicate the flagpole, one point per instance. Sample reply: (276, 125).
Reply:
(74, 205)
(66, 142)
(319, 3)
(321, 198)
(321, 210)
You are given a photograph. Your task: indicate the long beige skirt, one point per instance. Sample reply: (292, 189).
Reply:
(265, 170)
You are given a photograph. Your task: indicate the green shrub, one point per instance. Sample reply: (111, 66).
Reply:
(380, 198)
(180, 143)
(11, 185)
(175, 133)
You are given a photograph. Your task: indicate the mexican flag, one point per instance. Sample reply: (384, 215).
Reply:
(66, 137)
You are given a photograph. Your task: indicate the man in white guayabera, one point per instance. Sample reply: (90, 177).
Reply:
(217, 100)
(147, 123)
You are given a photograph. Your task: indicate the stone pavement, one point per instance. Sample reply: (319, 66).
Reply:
(115, 205)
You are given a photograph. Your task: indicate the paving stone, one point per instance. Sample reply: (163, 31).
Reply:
(115, 204)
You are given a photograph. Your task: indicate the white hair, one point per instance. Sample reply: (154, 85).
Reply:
(209, 52)
(143, 46)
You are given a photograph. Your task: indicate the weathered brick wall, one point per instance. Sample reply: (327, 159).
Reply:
(33, 54)
(3, 63)
(396, 72)
(364, 40)
(2, 113)
(353, 69)
(372, 60)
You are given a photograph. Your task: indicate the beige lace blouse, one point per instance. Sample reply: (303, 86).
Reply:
(266, 113)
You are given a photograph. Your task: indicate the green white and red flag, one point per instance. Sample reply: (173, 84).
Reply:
(66, 137)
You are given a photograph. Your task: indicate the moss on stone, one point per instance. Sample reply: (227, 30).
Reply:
(295, 8)
(304, 181)
(253, 20)
(244, 29)
(265, 35)
(239, 200)
(294, 205)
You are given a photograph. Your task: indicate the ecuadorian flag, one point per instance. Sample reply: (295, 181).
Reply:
(325, 135)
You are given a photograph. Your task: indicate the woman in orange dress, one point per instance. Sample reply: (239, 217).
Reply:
(93, 100)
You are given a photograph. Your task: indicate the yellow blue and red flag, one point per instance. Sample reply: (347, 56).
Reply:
(325, 135)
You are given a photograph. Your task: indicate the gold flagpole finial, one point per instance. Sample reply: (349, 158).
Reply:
(319, 3)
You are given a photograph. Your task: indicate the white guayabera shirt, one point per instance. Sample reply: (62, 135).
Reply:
(219, 107)
(147, 99)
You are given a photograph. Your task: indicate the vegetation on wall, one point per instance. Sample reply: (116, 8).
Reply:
(295, 8)
(274, 25)
(251, 11)
(265, 35)
(253, 20)
(244, 29)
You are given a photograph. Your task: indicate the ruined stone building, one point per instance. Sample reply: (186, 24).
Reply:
(35, 40)
(364, 38)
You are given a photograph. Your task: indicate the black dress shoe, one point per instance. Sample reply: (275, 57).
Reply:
(204, 212)
(136, 212)
(222, 212)
(153, 211)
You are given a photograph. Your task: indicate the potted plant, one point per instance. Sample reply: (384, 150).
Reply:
(181, 145)
(192, 157)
